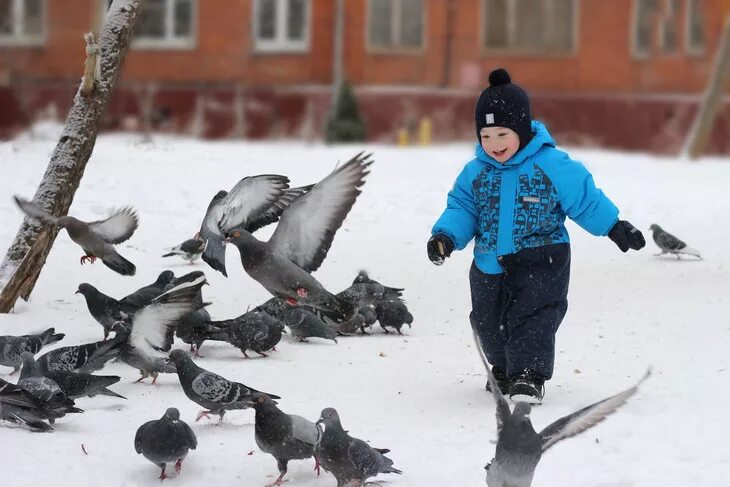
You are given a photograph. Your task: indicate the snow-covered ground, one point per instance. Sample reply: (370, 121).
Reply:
(421, 395)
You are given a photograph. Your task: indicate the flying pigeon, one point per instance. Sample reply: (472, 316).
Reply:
(210, 390)
(96, 238)
(519, 446)
(256, 331)
(148, 335)
(283, 436)
(350, 460)
(19, 407)
(302, 238)
(73, 384)
(165, 440)
(12, 346)
(253, 203)
(83, 358)
(669, 244)
(190, 250)
(393, 313)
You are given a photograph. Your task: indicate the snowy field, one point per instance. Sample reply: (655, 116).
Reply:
(421, 395)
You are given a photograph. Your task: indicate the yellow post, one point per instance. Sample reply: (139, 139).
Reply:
(424, 131)
(402, 137)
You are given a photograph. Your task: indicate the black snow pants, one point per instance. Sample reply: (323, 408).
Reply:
(517, 313)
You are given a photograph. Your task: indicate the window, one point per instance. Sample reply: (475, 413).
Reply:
(695, 27)
(668, 27)
(22, 21)
(645, 11)
(526, 26)
(395, 24)
(281, 25)
(165, 24)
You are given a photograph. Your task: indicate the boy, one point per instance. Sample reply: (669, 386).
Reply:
(513, 198)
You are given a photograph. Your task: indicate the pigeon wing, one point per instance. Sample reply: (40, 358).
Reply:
(307, 227)
(503, 412)
(275, 210)
(667, 241)
(587, 417)
(304, 430)
(34, 211)
(218, 389)
(251, 197)
(363, 458)
(118, 227)
(12, 394)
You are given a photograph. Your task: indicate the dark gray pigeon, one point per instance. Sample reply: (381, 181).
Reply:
(73, 384)
(255, 330)
(350, 460)
(213, 392)
(253, 203)
(12, 346)
(519, 446)
(46, 392)
(669, 244)
(144, 295)
(148, 338)
(165, 440)
(365, 291)
(85, 358)
(19, 407)
(303, 323)
(303, 236)
(194, 329)
(283, 436)
(393, 313)
(190, 250)
(96, 238)
(105, 309)
(198, 304)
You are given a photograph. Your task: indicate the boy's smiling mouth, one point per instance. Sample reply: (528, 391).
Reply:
(499, 153)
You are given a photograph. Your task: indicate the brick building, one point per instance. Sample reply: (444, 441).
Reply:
(615, 73)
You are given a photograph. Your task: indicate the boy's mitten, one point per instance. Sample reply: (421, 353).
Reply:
(439, 247)
(626, 236)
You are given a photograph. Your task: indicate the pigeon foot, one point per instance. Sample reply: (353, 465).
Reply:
(89, 258)
(163, 475)
(316, 465)
(278, 481)
(203, 414)
(178, 465)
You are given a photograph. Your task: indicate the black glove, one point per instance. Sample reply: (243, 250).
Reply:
(626, 236)
(439, 247)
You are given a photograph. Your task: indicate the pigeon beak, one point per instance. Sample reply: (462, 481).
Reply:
(319, 421)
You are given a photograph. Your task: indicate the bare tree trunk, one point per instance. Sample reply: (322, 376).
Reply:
(27, 254)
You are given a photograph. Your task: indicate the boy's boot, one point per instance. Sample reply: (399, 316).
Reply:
(502, 381)
(527, 387)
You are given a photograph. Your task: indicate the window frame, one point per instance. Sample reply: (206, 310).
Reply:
(667, 18)
(169, 42)
(637, 53)
(280, 44)
(688, 47)
(511, 28)
(19, 38)
(396, 49)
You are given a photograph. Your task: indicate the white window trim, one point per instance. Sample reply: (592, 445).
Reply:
(689, 49)
(169, 42)
(396, 47)
(666, 15)
(18, 37)
(512, 29)
(281, 44)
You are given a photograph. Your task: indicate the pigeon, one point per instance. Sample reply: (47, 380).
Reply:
(147, 337)
(97, 238)
(255, 330)
(47, 392)
(393, 313)
(350, 460)
(82, 358)
(365, 291)
(12, 346)
(190, 250)
(73, 384)
(165, 440)
(303, 323)
(283, 436)
(105, 309)
(302, 238)
(519, 446)
(354, 324)
(144, 295)
(194, 329)
(669, 244)
(198, 304)
(19, 407)
(253, 203)
(210, 390)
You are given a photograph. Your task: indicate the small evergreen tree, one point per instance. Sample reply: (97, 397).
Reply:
(345, 123)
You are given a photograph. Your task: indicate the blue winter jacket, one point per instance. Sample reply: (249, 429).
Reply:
(523, 202)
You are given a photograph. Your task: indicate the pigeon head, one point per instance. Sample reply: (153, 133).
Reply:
(120, 327)
(329, 418)
(30, 367)
(522, 412)
(259, 399)
(237, 236)
(164, 278)
(654, 227)
(362, 277)
(178, 357)
(172, 414)
(86, 289)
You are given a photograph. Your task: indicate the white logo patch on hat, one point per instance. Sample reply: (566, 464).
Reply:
(490, 118)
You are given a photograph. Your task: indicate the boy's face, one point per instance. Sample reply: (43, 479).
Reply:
(499, 143)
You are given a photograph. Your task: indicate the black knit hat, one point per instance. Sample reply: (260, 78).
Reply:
(504, 104)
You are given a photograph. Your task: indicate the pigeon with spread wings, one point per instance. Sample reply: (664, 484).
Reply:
(96, 238)
(284, 263)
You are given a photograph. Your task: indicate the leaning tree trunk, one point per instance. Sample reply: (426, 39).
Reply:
(27, 254)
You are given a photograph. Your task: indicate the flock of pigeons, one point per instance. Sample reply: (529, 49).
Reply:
(145, 323)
